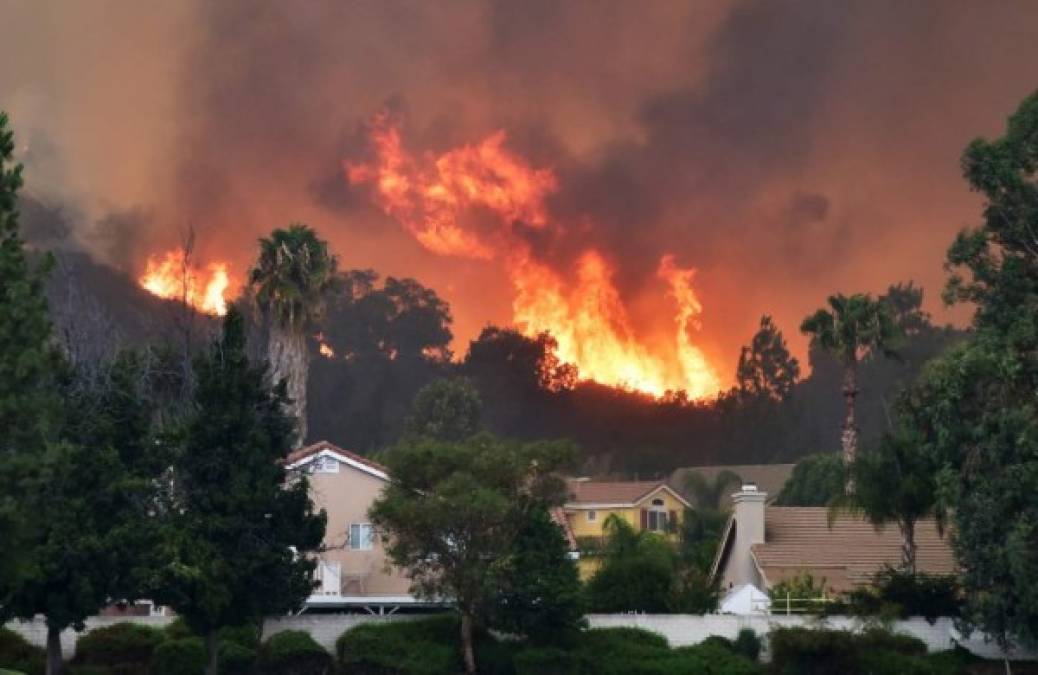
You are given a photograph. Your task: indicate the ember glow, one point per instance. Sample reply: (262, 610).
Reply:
(433, 198)
(172, 277)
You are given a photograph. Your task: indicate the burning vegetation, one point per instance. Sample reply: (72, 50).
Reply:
(433, 197)
(478, 201)
(174, 277)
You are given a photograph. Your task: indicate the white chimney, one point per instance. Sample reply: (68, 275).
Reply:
(748, 514)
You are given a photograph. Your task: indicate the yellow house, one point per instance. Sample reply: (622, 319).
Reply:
(644, 505)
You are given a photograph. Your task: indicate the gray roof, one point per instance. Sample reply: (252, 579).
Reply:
(769, 477)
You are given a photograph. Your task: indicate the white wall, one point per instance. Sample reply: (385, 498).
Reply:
(679, 629)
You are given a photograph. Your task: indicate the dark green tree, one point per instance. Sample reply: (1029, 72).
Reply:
(292, 279)
(816, 481)
(453, 513)
(240, 525)
(540, 596)
(766, 368)
(29, 361)
(853, 328)
(447, 410)
(639, 571)
(975, 407)
(896, 483)
(93, 499)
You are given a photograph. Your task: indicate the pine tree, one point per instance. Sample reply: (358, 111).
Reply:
(236, 538)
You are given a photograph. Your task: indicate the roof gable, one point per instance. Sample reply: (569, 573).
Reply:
(304, 456)
(615, 494)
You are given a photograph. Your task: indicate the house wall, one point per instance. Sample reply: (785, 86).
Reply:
(346, 496)
(582, 527)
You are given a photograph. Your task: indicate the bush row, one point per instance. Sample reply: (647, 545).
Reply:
(430, 646)
(133, 649)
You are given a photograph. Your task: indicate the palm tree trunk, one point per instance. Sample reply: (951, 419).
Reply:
(849, 437)
(55, 664)
(908, 547)
(290, 362)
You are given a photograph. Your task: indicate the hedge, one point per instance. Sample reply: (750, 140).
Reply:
(422, 647)
(802, 651)
(17, 654)
(186, 656)
(293, 652)
(127, 645)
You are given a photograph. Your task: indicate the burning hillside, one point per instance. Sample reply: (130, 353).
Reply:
(478, 201)
(174, 277)
(445, 201)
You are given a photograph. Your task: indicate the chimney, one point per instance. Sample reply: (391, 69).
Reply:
(748, 513)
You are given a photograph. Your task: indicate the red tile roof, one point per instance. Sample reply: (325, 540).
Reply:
(611, 492)
(799, 539)
(303, 453)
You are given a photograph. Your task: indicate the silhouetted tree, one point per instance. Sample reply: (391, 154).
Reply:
(856, 327)
(766, 368)
(292, 278)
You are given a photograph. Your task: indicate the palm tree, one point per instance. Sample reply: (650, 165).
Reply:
(856, 328)
(291, 279)
(895, 483)
(710, 493)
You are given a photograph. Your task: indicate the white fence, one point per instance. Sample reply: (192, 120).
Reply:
(679, 629)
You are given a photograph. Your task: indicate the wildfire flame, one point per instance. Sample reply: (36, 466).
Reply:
(430, 195)
(173, 277)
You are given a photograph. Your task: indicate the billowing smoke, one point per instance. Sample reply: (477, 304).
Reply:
(785, 150)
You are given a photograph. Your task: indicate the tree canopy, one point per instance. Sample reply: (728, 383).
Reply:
(453, 514)
(973, 409)
(239, 525)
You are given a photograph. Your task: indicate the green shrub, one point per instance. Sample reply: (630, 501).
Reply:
(293, 652)
(748, 644)
(422, 647)
(122, 644)
(17, 654)
(74, 669)
(497, 657)
(186, 656)
(547, 661)
(86, 669)
(235, 659)
(720, 642)
(247, 636)
(802, 651)
(901, 594)
(178, 630)
(879, 639)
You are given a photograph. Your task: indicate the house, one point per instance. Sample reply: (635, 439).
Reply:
(770, 478)
(644, 505)
(764, 545)
(353, 572)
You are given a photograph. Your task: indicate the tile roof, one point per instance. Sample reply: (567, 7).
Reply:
(610, 492)
(798, 538)
(303, 453)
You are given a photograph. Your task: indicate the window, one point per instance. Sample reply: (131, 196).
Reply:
(657, 521)
(591, 516)
(325, 465)
(360, 537)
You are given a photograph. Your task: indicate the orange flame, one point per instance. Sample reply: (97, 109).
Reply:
(172, 277)
(431, 195)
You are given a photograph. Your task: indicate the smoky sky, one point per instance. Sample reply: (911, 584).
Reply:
(786, 149)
